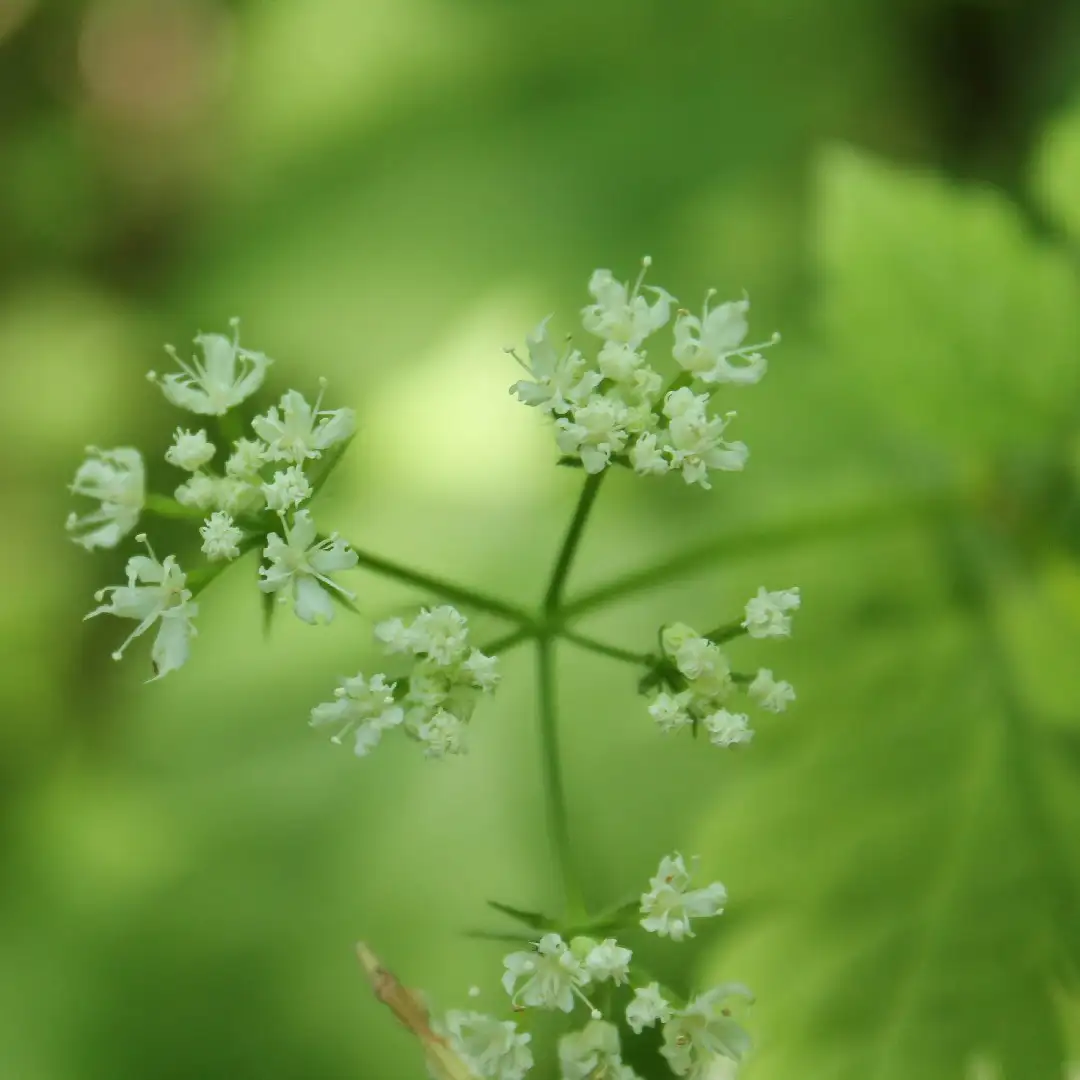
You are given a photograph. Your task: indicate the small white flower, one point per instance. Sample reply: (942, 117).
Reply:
(221, 538)
(648, 1007)
(206, 492)
(395, 635)
(299, 430)
(706, 346)
(767, 613)
(695, 439)
(670, 711)
(442, 734)
(619, 362)
(300, 567)
(190, 451)
(200, 492)
(592, 1053)
(669, 905)
(608, 960)
(116, 479)
(558, 381)
(769, 693)
(226, 376)
(647, 457)
(493, 1049)
(623, 315)
(247, 459)
(363, 707)
(696, 657)
(550, 975)
(441, 633)
(483, 670)
(728, 729)
(704, 1032)
(289, 488)
(155, 592)
(596, 431)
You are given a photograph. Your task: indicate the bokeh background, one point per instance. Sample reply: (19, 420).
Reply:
(388, 192)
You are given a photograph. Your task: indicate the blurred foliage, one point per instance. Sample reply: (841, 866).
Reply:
(388, 192)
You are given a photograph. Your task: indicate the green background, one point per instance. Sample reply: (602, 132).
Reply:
(388, 192)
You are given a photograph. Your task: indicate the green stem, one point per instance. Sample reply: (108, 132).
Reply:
(571, 541)
(506, 642)
(448, 590)
(725, 633)
(558, 822)
(585, 642)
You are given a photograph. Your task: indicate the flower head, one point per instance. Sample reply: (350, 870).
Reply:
(550, 975)
(704, 1032)
(190, 451)
(294, 431)
(226, 375)
(727, 729)
(246, 460)
(593, 1052)
(115, 478)
(364, 708)
(706, 347)
(608, 960)
(493, 1049)
(441, 732)
(155, 592)
(221, 537)
(695, 442)
(559, 380)
(670, 904)
(289, 488)
(594, 432)
(771, 693)
(671, 711)
(622, 314)
(767, 614)
(299, 568)
(648, 1006)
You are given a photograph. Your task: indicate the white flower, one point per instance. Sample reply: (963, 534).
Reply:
(221, 538)
(669, 905)
(697, 1036)
(300, 567)
(190, 451)
(608, 960)
(770, 694)
(727, 729)
(442, 734)
(619, 362)
(592, 1053)
(706, 346)
(670, 710)
(155, 592)
(395, 635)
(596, 431)
(648, 1006)
(362, 706)
(621, 315)
(695, 439)
(115, 478)
(200, 492)
(767, 613)
(289, 488)
(206, 492)
(646, 457)
(493, 1049)
(550, 975)
(696, 657)
(482, 670)
(246, 459)
(300, 431)
(441, 633)
(227, 375)
(558, 381)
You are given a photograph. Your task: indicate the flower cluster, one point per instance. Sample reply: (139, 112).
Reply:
(617, 408)
(556, 974)
(698, 682)
(436, 702)
(253, 502)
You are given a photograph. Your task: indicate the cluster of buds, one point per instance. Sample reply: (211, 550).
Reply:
(618, 408)
(433, 705)
(692, 684)
(563, 974)
(255, 501)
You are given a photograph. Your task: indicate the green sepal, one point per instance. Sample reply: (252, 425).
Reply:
(517, 937)
(167, 507)
(533, 919)
(570, 462)
(269, 606)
